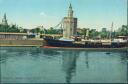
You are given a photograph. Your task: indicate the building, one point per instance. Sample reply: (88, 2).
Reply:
(69, 24)
(13, 36)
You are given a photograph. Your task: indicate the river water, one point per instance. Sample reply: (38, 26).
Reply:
(38, 65)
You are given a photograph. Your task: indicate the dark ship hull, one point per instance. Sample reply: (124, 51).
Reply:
(71, 44)
(58, 43)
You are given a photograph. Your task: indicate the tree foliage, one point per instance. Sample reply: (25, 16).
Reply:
(122, 31)
(10, 28)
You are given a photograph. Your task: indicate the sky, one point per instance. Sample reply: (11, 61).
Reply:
(94, 14)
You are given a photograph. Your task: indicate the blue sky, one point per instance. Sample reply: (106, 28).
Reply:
(90, 13)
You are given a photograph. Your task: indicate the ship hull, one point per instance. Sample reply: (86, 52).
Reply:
(59, 43)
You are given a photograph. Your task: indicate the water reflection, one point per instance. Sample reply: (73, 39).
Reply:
(16, 52)
(36, 52)
(69, 64)
(3, 56)
(49, 52)
(85, 63)
(86, 59)
(127, 66)
(124, 59)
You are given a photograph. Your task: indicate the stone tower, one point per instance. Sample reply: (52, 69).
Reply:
(69, 24)
(4, 20)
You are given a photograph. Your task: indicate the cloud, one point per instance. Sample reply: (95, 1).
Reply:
(43, 14)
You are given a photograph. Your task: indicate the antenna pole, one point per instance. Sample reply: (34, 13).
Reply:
(111, 31)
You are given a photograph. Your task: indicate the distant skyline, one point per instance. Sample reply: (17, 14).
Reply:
(94, 14)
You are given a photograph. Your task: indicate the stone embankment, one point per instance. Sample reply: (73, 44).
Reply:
(34, 42)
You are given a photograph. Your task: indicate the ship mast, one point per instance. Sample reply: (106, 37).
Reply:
(111, 31)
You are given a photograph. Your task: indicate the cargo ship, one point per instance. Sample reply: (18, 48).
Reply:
(70, 43)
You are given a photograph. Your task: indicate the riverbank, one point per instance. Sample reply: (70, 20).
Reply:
(89, 49)
(40, 43)
(21, 43)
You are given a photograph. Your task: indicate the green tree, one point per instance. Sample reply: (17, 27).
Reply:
(84, 30)
(9, 28)
(104, 35)
(123, 31)
(93, 33)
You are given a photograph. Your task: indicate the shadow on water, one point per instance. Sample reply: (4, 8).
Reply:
(124, 59)
(86, 59)
(69, 64)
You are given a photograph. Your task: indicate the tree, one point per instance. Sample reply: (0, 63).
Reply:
(36, 30)
(9, 28)
(93, 33)
(84, 30)
(104, 35)
(123, 31)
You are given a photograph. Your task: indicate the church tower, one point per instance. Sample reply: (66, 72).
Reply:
(69, 24)
(4, 20)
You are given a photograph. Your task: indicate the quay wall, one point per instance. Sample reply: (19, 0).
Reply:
(21, 42)
(93, 49)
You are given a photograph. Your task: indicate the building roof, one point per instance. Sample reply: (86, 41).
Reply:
(122, 36)
(10, 33)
